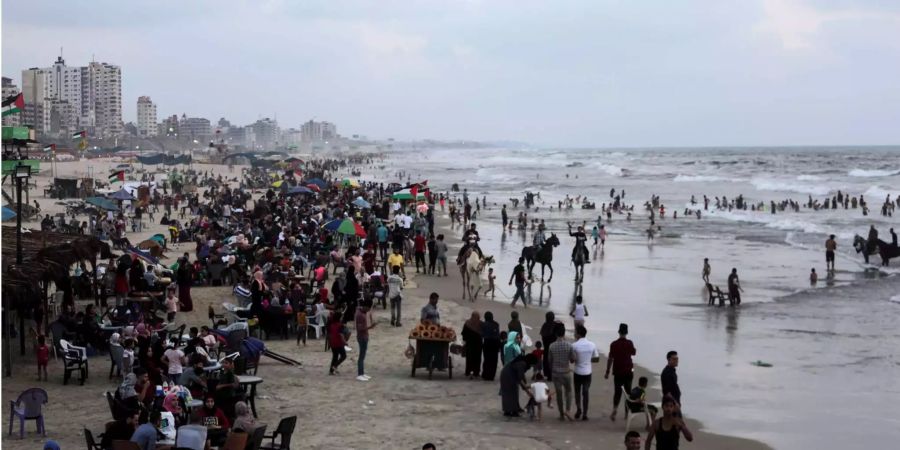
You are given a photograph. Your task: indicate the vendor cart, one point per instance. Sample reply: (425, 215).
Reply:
(431, 355)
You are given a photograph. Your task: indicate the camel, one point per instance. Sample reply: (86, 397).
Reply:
(471, 269)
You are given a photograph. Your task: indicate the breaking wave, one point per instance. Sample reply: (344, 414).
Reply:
(697, 178)
(873, 173)
(787, 186)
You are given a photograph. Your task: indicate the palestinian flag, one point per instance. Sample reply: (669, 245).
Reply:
(50, 148)
(79, 135)
(13, 104)
(117, 176)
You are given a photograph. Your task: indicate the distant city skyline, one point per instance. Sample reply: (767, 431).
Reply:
(574, 74)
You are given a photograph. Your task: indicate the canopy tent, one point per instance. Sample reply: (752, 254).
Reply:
(102, 203)
(122, 194)
(8, 214)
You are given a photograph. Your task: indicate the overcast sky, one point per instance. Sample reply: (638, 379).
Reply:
(557, 73)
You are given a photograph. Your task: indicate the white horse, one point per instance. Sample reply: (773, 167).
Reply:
(471, 269)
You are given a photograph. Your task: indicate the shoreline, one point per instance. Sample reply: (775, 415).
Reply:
(391, 411)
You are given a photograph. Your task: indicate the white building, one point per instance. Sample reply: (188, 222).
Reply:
(34, 92)
(105, 98)
(146, 117)
(9, 90)
(318, 131)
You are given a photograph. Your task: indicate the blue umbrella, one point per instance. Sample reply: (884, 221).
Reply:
(8, 214)
(299, 190)
(122, 194)
(103, 203)
(318, 182)
(362, 203)
(145, 255)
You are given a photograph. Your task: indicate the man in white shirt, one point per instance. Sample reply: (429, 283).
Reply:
(395, 294)
(586, 353)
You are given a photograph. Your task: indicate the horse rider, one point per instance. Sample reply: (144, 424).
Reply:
(539, 237)
(580, 240)
(470, 240)
(873, 237)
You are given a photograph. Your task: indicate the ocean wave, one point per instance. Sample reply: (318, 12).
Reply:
(609, 169)
(769, 220)
(879, 193)
(787, 186)
(895, 299)
(873, 173)
(809, 178)
(698, 178)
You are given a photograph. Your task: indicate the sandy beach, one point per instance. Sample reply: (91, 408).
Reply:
(393, 410)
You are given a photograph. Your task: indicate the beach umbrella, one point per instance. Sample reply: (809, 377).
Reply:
(313, 187)
(102, 203)
(141, 254)
(345, 226)
(122, 194)
(277, 184)
(405, 194)
(299, 190)
(359, 202)
(348, 182)
(318, 182)
(8, 214)
(422, 208)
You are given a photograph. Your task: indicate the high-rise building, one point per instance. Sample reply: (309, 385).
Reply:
(9, 90)
(146, 117)
(196, 128)
(105, 98)
(318, 131)
(265, 132)
(34, 91)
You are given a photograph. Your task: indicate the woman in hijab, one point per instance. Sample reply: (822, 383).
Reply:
(244, 419)
(512, 377)
(548, 336)
(471, 335)
(185, 277)
(490, 332)
(351, 294)
(513, 348)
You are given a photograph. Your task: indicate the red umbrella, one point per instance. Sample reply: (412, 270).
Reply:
(313, 187)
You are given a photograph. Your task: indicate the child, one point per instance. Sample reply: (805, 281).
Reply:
(579, 311)
(491, 278)
(540, 393)
(639, 395)
(128, 356)
(813, 277)
(538, 352)
(43, 356)
(171, 305)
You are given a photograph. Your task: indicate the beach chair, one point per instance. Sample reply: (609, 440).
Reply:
(191, 437)
(722, 296)
(125, 445)
(283, 432)
(634, 409)
(74, 359)
(116, 352)
(29, 406)
(236, 440)
(256, 438)
(89, 440)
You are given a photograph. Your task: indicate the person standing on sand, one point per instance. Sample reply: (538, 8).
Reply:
(561, 357)
(514, 323)
(830, 247)
(471, 335)
(490, 332)
(441, 248)
(669, 378)
(579, 311)
(619, 360)
(548, 337)
(668, 428)
(585, 354)
(519, 275)
(512, 378)
(707, 270)
(363, 325)
(395, 295)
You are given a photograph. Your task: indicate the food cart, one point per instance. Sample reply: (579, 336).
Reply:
(432, 348)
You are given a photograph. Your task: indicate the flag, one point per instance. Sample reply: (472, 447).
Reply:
(50, 148)
(13, 104)
(414, 191)
(117, 176)
(79, 135)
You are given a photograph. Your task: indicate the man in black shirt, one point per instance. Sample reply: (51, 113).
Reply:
(120, 430)
(734, 287)
(669, 378)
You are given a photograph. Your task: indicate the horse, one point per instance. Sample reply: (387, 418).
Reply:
(470, 269)
(579, 261)
(885, 250)
(541, 254)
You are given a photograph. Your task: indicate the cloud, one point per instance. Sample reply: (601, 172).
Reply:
(798, 25)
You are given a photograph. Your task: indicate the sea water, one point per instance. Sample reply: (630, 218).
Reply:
(834, 348)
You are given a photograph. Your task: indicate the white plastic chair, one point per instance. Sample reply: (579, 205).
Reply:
(638, 409)
(191, 436)
(318, 326)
